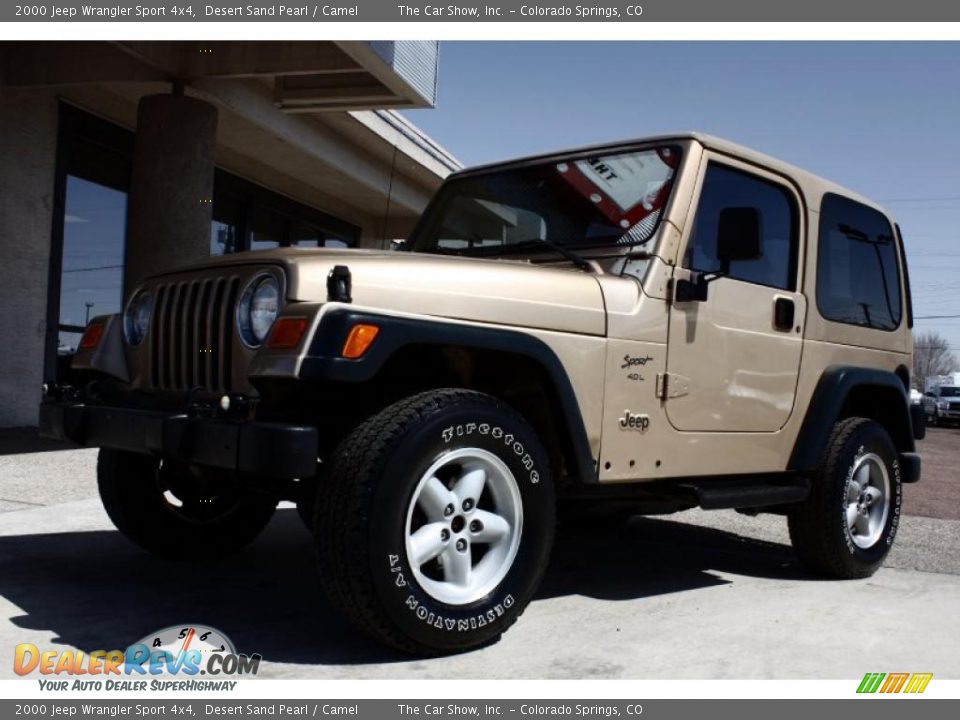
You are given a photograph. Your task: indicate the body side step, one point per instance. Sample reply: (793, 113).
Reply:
(748, 492)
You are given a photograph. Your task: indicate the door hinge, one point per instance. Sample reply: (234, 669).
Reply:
(671, 385)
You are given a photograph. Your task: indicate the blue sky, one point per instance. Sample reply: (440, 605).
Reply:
(881, 118)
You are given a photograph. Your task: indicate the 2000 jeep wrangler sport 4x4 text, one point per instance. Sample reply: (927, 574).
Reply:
(651, 326)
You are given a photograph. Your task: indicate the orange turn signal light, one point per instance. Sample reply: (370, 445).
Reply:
(359, 340)
(287, 332)
(92, 336)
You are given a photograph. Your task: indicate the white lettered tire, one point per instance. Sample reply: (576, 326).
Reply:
(848, 524)
(435, 522)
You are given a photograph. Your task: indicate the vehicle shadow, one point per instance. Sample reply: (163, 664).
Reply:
(94, 590)
(19, 440)
(649, 556)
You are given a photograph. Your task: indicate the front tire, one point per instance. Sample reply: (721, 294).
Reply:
(173, 510)
(848, 524)
(435, 523)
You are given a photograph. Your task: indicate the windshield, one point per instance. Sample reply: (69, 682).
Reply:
(950, 392)
(584, 202)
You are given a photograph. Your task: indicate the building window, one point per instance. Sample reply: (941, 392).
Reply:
(89, 236)
(724, 188)
(858, 277)
(223, 237)
(307, 234)
(91, 277)
(87, 247)
(248, 216)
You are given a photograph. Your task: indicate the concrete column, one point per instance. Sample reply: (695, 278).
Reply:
(28, 147)
(171, 188)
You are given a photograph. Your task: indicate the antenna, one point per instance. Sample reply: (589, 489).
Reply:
(386, 214)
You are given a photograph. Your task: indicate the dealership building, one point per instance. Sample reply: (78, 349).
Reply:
(121, 159)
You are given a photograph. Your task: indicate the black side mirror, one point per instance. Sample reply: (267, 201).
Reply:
(738, 236)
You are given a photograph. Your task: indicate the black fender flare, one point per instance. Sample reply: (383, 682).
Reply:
(324, 362)
(827, 404)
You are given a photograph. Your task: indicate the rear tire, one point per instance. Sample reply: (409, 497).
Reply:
(168, 509)
(435, 522)
(848, 524)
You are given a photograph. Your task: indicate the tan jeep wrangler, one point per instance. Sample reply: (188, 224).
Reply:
(651, 326)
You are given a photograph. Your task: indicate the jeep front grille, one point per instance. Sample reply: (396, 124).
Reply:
(192, 334)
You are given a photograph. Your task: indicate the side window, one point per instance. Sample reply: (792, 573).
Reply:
(858, 276)
(724, 187)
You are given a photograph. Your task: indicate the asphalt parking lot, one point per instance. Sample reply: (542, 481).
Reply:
(693, 595)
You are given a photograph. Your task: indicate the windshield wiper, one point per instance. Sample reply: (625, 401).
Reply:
(513, 247)
(578, 260)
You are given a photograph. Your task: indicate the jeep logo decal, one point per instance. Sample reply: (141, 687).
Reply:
(634, 421)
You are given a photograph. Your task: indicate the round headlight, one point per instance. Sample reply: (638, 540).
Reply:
(258, 308)
(136, 318)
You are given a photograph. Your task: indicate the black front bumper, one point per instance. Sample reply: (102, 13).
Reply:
(268, 449)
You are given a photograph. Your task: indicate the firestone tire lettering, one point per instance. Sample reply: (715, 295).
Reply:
(463, 431)
(361, 520)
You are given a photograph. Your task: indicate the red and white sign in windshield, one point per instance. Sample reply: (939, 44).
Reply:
(625, 188)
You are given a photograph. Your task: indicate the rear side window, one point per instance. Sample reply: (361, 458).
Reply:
(858, 276)
(723, 188)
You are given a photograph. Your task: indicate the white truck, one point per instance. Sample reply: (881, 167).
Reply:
(941, 399)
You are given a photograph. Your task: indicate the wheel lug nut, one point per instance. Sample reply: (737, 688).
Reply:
(444, 534)
(476, 526)
(467, 505)
(448, 510)
(461, 544)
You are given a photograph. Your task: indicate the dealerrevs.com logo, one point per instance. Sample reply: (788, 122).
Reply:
(888, 683)
(154, 662)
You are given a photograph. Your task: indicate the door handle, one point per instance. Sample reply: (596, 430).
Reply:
(784, 311)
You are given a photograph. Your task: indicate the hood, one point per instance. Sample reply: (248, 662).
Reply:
(502, 292)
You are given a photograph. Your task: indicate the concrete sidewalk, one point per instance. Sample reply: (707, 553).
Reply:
(35, 472)
(695, 595)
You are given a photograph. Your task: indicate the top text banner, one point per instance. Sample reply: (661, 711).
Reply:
(492, 11)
